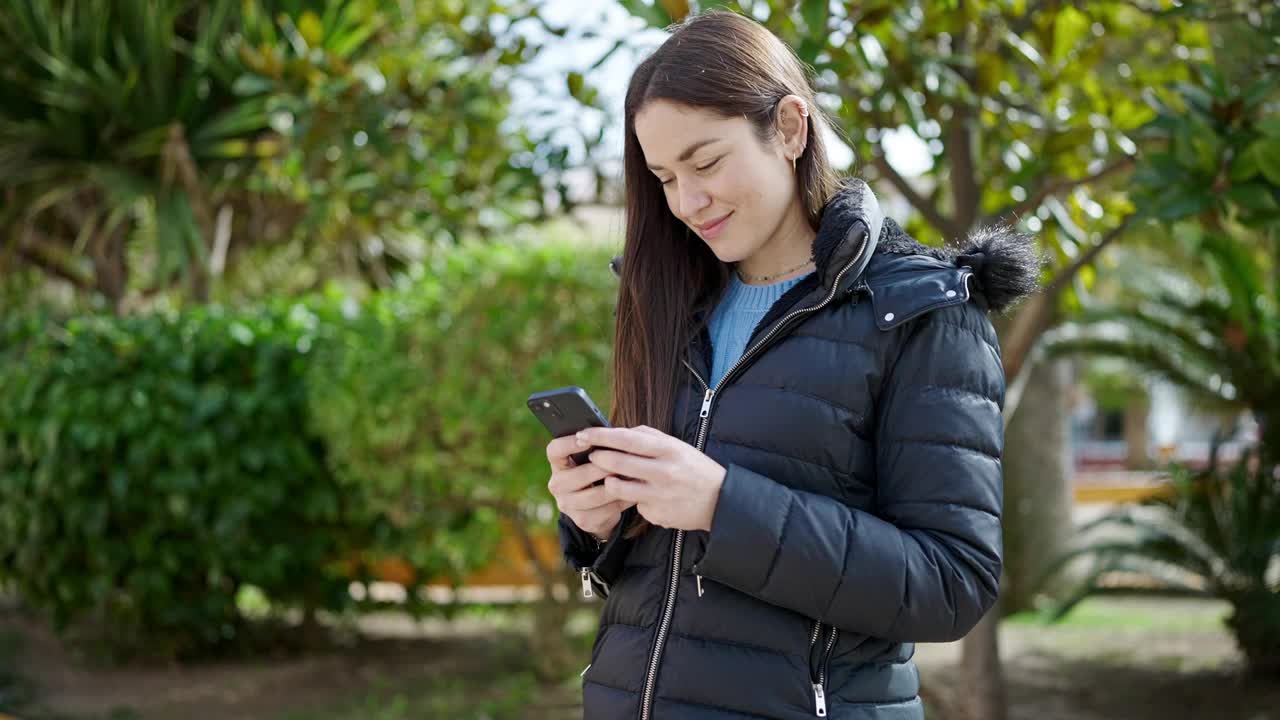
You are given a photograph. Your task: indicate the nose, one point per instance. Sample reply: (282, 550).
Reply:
(692, 199)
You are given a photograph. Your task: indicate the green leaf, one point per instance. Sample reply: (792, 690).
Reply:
(1196, 146)
(1254, 196)
(617, 45)
(815, 17)
(249, 84)
(1245, 164)
(574, 81)
(1270, 127)
(1268, 158)
(1069, 26)
(651, 11)
(1182, 203)
(310, 28)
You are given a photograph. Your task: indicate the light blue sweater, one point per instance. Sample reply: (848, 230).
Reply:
(739, 311)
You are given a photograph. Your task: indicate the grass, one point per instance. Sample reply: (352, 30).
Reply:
(1135, 613)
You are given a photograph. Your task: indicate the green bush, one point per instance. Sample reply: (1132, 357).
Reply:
(152, 466)
(1215, 534)
(420, 393)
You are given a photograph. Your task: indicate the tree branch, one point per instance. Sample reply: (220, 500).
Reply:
(964, 173)
(546, 576)
(1067, 274)
(940, 222)
(178, 169)
(966, 190)
(1036, 315)
(1054, 187)
(41, 256)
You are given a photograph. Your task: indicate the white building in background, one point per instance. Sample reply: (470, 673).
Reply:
(1168, 427)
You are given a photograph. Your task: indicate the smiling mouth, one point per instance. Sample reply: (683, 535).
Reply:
(715, 226)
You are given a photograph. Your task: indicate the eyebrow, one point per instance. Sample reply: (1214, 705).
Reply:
(688, 152)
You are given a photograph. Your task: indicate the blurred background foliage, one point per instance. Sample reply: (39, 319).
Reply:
(147, 479)
(149, 148)
(156, 465)
(276, 277)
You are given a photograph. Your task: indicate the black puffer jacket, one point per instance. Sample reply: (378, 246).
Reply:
(860, 513)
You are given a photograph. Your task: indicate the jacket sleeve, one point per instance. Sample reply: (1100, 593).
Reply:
(925, 566)
(582, 551)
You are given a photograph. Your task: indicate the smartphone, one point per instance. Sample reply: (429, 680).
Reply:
(565, 411)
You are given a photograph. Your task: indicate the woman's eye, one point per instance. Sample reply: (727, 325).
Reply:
(706, 167)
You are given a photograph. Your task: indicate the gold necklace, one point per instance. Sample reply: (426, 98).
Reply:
(765, 278)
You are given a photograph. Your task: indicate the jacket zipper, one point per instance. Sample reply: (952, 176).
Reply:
(819, 699)
(651, 677)
(588, 575)
(820, 687)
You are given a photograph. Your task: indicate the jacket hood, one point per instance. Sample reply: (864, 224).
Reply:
(1002, 261)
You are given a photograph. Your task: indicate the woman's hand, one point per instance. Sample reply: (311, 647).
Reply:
(590, 508)
(671, 483)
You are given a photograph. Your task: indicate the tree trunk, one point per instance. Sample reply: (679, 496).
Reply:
(1136, 435)
(1037, 483)
(980, 668)
(983, 676)
(110, 273)
(552, 652)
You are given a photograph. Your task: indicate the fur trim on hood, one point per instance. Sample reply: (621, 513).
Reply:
(1005, 261)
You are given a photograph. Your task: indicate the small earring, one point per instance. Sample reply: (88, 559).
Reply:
(793, 163)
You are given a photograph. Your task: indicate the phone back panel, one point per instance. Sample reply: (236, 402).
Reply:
(570, 410)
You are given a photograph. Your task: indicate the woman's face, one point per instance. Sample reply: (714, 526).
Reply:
(715, 168)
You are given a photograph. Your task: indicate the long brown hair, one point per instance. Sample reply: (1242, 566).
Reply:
(731, 65)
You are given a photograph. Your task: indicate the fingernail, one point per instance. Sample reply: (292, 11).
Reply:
(582, 439)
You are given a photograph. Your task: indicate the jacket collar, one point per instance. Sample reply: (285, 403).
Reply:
(847, 235)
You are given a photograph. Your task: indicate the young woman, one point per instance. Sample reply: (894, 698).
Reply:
(803, 479)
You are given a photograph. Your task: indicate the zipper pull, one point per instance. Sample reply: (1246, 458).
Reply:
(699, 586)
(706, 403)
(586, 583)
(819, 700)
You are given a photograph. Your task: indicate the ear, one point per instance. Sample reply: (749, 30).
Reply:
(793, 125)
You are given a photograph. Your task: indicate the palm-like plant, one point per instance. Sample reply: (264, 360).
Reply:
(114, 115)
(145, 134)
(1221, 343)
(1212, 327)
(1215, 534)
(1210, 175)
